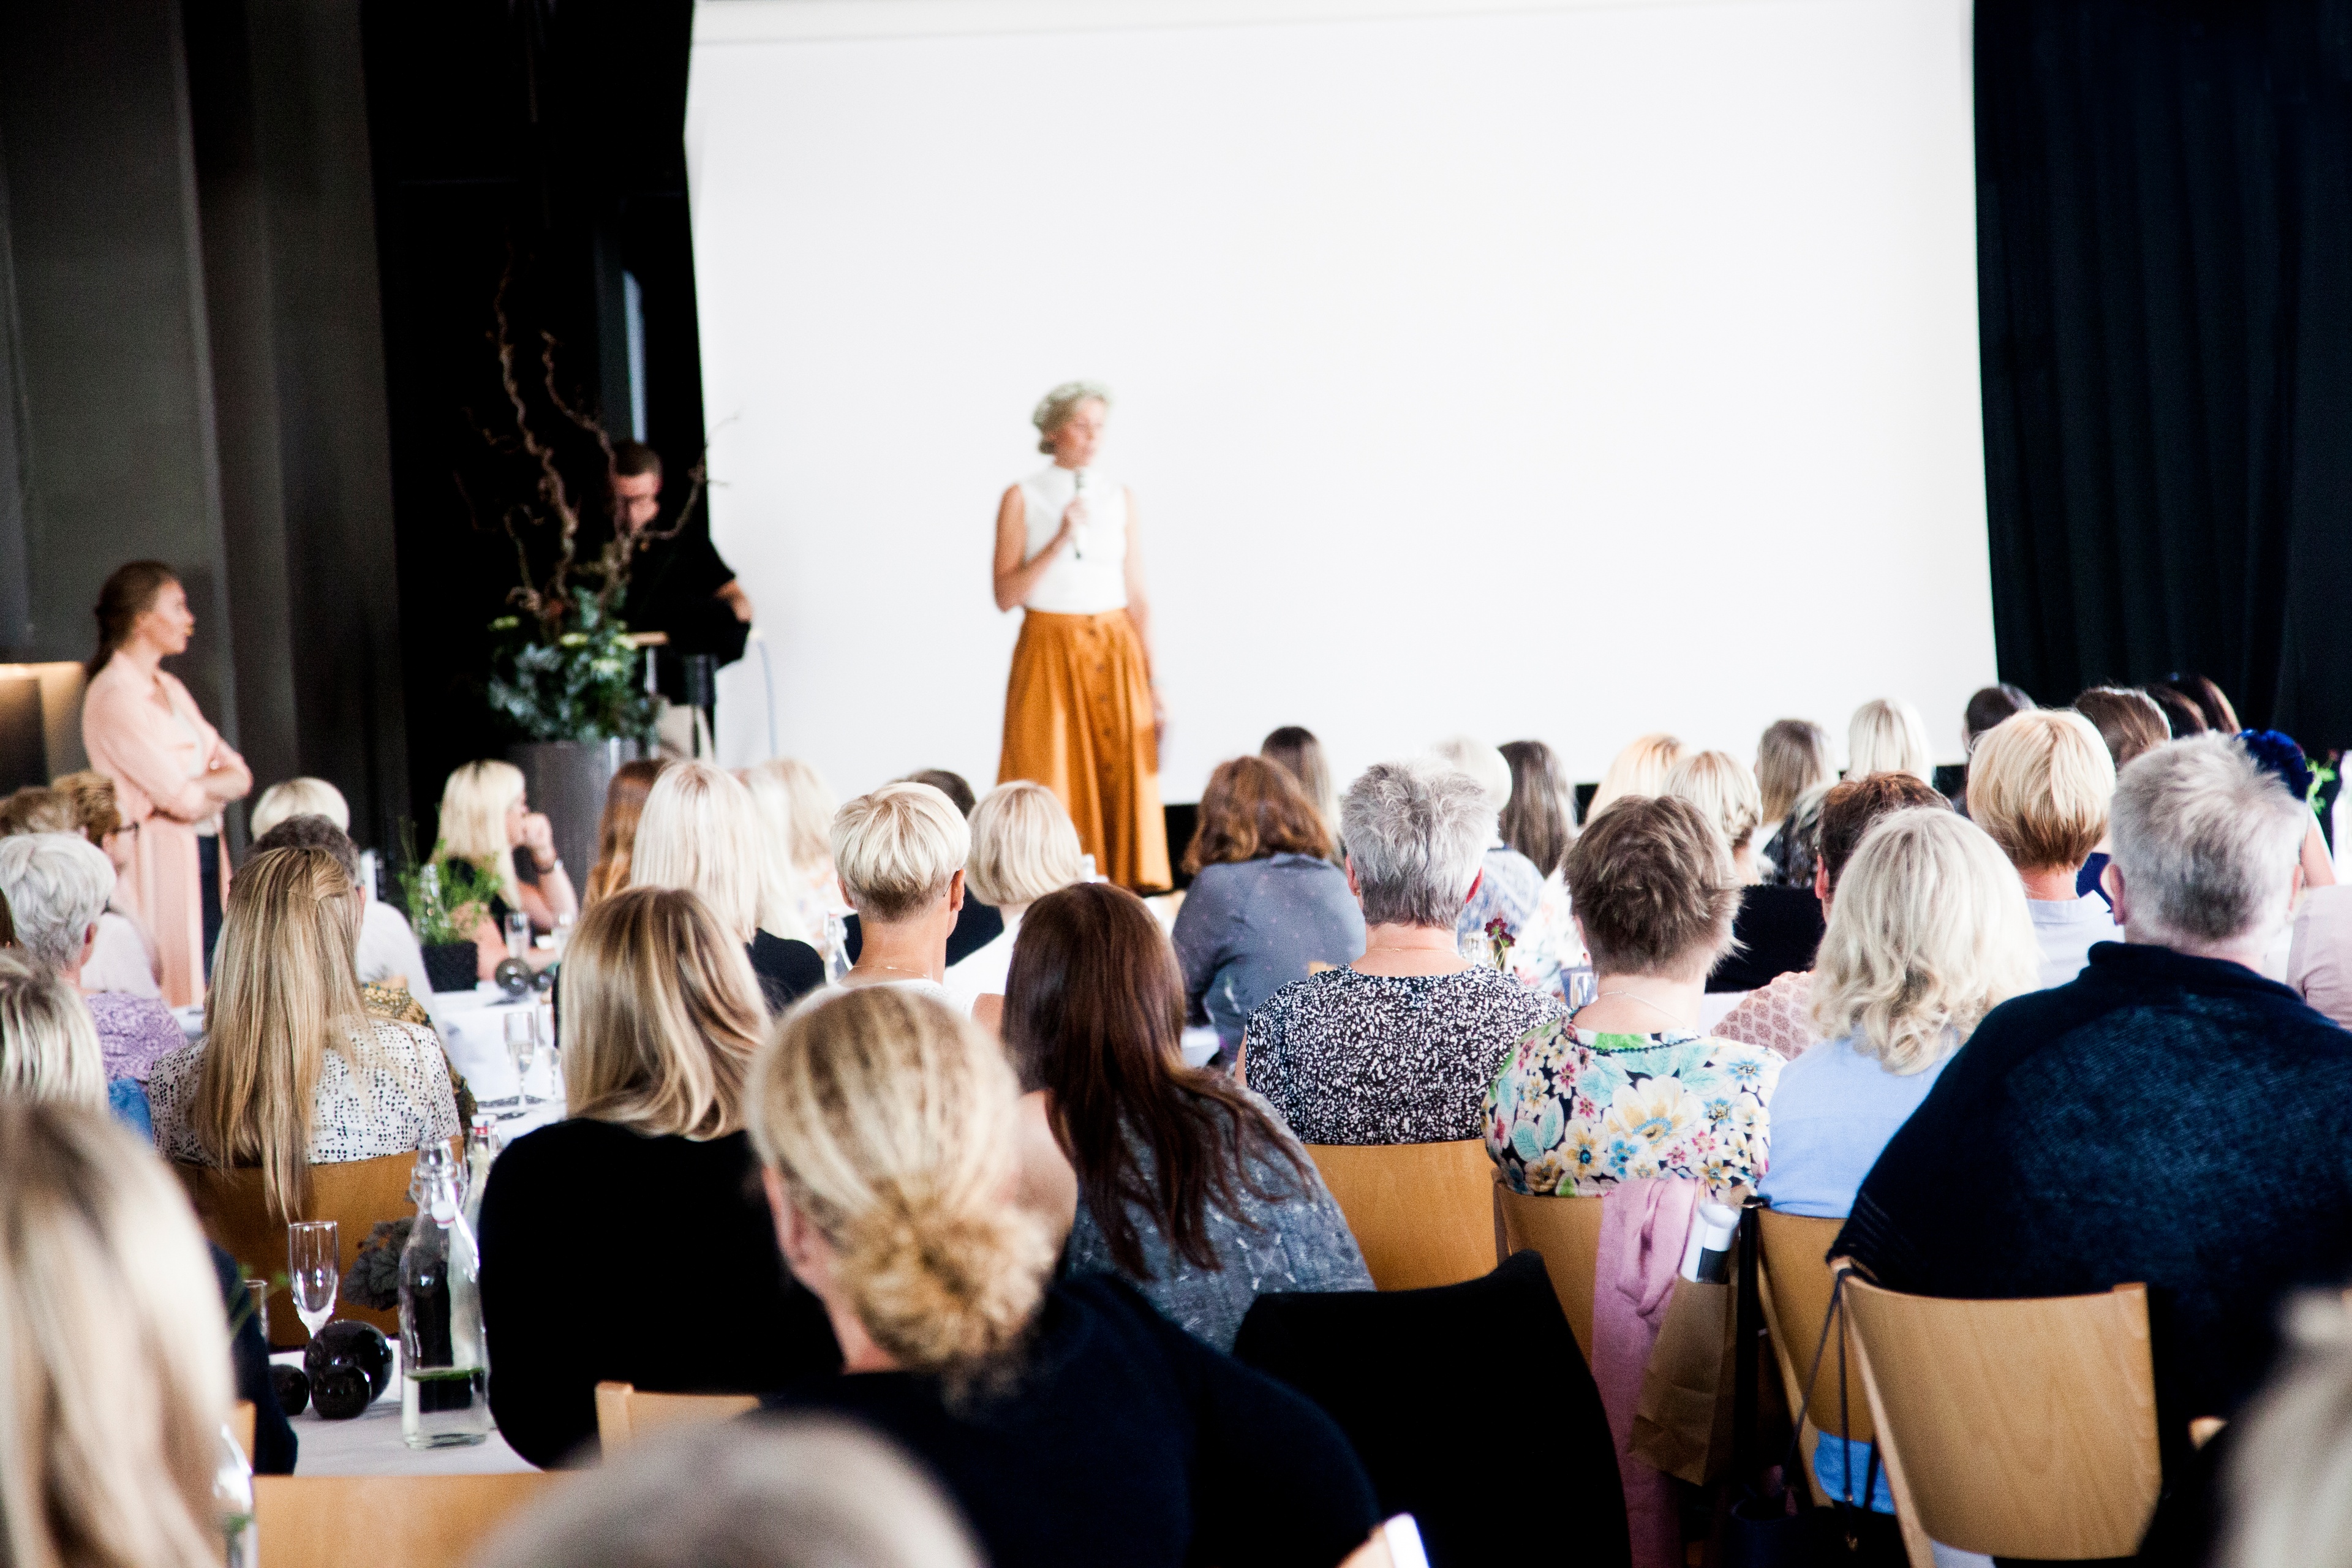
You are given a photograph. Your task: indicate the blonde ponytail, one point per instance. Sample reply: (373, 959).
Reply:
(893, 1124)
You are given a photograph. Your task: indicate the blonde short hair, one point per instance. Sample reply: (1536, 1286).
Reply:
(661, 1017)
(2040, 781)
(894, 1126)
(1724, 792)
(898, 848)
(1482, 762)
(1887, 736)
(1055, 407)
(474, 806)
(310, 797)
(700, 831)
(1023, 846)
(1639, 769)
(118, 1377)
(48, 1046)
(1927, 934)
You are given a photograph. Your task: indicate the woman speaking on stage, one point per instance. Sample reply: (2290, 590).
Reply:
(1081, 715)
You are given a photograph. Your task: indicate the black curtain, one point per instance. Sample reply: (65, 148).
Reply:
(2164, 234)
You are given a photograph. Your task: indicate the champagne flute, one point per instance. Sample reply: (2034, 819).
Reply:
(522, 1049)
(314, 1259)
(518, 936)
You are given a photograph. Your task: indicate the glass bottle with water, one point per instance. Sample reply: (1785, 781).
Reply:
(445, 1364)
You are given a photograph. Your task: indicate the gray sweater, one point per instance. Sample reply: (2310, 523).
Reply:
(1249, 928)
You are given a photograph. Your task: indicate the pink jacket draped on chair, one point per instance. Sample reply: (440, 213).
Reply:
(157, 760)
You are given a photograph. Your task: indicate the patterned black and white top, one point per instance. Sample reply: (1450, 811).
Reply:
(1349, 1057)
(387, 1093)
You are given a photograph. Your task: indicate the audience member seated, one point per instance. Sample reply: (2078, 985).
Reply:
(1073, 1424)
(1779, 1015)
(793, 1492)
(388, 953)
(2280, 1492)
(784, 913)
(1266, 905)
(700, 831)
(1540, 823)
(1639, 769)
(616, 824)
(2167, 1118)
(2214, 707)
(1293, 749)
(2039, 783)
(2181, 715)
(1792, 761)
(1190, 1187)
(2280, 756)
(1887, 736)
(291, 1071)
(2130, 725)
(47, 1048)
(34, 808)
(809, 808)
(57, 885)
(1797, 858)
(125, 959)
(1777, 928)
(900, 852)
(980, 922)
(485, 819)
(1508, 884)
(661, 1017)
(118, 1381)
(1023, 847)
(1987, 708)
(1399, 1047)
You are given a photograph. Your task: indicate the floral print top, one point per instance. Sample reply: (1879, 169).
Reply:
(1573, 1112)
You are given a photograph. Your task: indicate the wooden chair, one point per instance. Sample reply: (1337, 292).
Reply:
(2016, 1428)
(355, 1195)
(402, 1521)
(623, 1415)
(1422, 1213)
(240, 1425)
(1797, 1280)
(1567, 1232)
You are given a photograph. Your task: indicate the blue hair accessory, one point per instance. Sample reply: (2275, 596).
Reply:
(2279, 756)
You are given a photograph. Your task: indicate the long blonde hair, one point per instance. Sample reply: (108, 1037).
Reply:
(1639, 769)
(1927, 934)
(474, 806)
(114, 1375)
(284, 994)
(700, 831)
(894, 1125)
(810, 842)
(781, 882)
(1887, 736)
(48, 1046)
(661, 1017)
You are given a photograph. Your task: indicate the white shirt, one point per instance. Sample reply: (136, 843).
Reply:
(387, 947)
(2066, 928)
(1088, 577)
(982, 971)
(121, 960)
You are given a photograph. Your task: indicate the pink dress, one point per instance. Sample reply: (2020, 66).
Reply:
(156, 760)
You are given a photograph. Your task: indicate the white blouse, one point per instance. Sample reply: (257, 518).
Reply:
(1089, 577)
(387, 1093)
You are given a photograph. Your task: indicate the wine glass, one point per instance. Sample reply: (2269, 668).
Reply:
(1479, 949)
(522, 1049)
(314, 1259)
(517, 935)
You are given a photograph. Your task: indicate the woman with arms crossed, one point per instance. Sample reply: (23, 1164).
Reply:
(1081, 715)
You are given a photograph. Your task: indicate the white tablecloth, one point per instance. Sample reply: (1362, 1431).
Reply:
(368, 1444)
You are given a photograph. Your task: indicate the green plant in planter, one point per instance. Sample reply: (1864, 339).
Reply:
(447, 895)
(581, 684)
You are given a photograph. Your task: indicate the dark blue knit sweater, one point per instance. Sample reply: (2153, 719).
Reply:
(2177, 1121)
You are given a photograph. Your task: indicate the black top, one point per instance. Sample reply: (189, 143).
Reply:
(607, 1254)
(1125, 1441)
(273, 1442)
(2176, 1122)
(976, 926)
(788, 970)
(1777, 930)
(672, 587)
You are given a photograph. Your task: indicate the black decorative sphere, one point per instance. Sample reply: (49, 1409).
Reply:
(292, 1386)
(340, 1392)
(545, 979)
(346, 1342)
(514, 977)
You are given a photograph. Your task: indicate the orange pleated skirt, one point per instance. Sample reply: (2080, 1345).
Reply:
(1077, 720)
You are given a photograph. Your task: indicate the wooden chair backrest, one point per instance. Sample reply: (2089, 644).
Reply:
(1422, 1213)
(410, 1521)
(1794, 1253)
(240, 1426)
(2020, 1428)
(355, 1195)
(623, 1415)
(1567, 1232)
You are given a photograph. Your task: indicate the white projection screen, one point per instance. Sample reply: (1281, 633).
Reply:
(1563, 372)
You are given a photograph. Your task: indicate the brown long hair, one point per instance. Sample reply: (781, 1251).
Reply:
(1541, 820)
(1295, 748)
(1254, 808)
(616, 830)
(1093, 1009)
(126, 596)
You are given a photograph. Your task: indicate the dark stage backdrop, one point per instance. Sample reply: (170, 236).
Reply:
(2164, 271)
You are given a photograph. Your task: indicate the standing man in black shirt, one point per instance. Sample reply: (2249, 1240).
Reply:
(678, 585)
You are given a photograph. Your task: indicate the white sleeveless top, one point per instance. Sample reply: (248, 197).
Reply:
(1089, 577)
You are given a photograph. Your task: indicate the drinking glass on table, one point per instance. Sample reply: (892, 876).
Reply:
(517, 935)
(314, 1260)
(522, 1049)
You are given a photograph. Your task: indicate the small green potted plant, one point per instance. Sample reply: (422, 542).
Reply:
(447, 896)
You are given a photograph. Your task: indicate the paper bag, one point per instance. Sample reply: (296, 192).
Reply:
(1683, 1424)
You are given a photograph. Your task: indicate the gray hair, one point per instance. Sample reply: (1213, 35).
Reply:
(1062, 402)
(2205, 840)
(1416, 834)
(56, 885)
(806, 1492)
(1486, 763)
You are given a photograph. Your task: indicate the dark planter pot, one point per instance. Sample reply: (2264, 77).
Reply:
(453, 965)
(567, 779)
